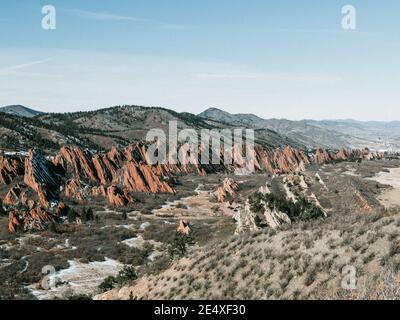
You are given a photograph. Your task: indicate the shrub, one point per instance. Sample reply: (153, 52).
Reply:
(177, 245)
(79, 297)
(87, 215)
(300, 210)
(71, 216)
(108, 284)
(127, 275)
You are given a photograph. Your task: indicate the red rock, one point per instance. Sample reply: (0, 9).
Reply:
(73, 189)
(62, 209)
(12, 196)
(13, 222)
(322, 156)
(140, 178)
(10, 167)
(98, 191)
(39, 176)
(118, 198)
(228, 187)
(342, 154)
(76, 161)
(184, 227)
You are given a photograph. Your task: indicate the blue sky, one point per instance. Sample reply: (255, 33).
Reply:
(283, 59)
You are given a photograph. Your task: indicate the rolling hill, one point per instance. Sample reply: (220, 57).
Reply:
(312, 133)
(18, 110)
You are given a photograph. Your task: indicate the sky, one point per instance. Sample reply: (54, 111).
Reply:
(277, 59)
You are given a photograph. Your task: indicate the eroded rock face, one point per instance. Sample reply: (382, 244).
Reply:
(82, 174)
(13, 221)
(40, 176)
(98, 191)
(275, 218)
(245, 220)
(140, 178)
(342, 154)
(13, 195)
(228, 188)
(322, 156)
(117, 197)
(10, 167)
(73, 189)
(184, 227)
(34, 219)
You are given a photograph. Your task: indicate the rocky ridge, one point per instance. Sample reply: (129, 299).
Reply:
(38, 183)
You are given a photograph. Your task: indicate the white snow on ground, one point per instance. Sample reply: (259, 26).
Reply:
(66, 245)
(126, 226)
(144, 225)
(79, 278)
(389, 197)
(135, 242)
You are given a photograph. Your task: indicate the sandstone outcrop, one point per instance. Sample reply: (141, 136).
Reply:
(35, 219)
(40, 176)
(12, 197)
(117, 197)
(228, 188)
(342, 154)
(10, 167)
(322, 156)
(184, 227)
(140, 178)
(81, 174)
(13, 222)
(275, 218)
(73, 189)
(245, 220)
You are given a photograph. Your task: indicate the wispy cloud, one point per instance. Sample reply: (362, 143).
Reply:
(338, 31)
(268, 76)
(14, 69)
(104, 16)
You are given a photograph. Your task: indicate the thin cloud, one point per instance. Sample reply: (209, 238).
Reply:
(343, 32)
(16, 68)
(101, 16)
(266, 76)
(104, 16)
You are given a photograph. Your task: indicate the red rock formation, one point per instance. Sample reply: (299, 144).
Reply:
(35, 219)
(342, 154)
(13, 222)
(62, 209)
(73, 189)
(184, 227)
(10, 167)
(116, 173)
(98, 191)
(290, 160)
(228, 187)
(140, 178)
(322, 156)
(12, 196)
(117, 197)
(40, 177)
(76, 161)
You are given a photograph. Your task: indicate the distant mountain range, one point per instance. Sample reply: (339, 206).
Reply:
(22, 128)
(326, 133)
(19, 110)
